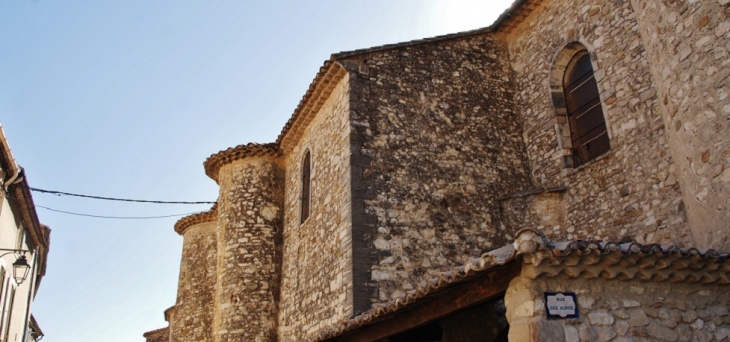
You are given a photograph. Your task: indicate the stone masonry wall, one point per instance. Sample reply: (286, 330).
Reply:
(159, 335)
(192, 317)
(250, 210)
(633, 189)
(435, 141)
(688, 45)
(616, 310)
(317, 261)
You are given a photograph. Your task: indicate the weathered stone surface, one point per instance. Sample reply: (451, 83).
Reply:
(622, 327)
(317, 280)
(550, 331)
(249, 250)
(687, 59)
(434, 136)
(600, 317)
(637, 318)
(654, 313)
(631, 190)
(587, 333)
(662, 333)
(605, 333)
(159, 335)
(428, 154)
(192, 317)
(571, 333)
(722, 333)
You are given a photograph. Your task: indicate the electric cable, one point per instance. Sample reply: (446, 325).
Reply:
(61, 193)
(115, 217)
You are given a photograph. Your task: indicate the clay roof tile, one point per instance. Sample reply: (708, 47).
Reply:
(216, 161)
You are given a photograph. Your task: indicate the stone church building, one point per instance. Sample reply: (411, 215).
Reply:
(454, 188)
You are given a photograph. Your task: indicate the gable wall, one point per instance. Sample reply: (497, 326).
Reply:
(435, 142)
(633, 189)
(316, 287)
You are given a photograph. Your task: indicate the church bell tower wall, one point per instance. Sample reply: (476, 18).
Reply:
(191, 320)
(249, 230)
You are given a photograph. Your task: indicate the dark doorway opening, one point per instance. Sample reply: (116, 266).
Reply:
(484, 322)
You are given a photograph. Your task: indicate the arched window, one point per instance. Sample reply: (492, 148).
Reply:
(589, 137)
(306, 186)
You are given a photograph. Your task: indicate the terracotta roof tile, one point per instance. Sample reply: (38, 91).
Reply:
(156, 332)
(588, 259)
(514, 15)
(202, 217)
(346, 54)
(319, 90)
(215, 162)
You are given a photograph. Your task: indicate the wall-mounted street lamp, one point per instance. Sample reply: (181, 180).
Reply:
(20, 266)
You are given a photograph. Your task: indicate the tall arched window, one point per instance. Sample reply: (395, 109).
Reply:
(588, 132)
(306, 186)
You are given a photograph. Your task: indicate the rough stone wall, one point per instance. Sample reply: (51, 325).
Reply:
(317, 265)
(249, 243)
(633, 189)
(616, 310)
(435, 142)
(192, 317)
(688, 45)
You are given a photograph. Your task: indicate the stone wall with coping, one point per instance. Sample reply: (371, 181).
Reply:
(688, 46)
(633, 189)
(317, 258)
(159, 335)
(250, 220)
(192, 317)
(435, 141)
(615, 310)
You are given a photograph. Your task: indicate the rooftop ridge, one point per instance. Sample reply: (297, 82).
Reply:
(319, 90)
(329, 75)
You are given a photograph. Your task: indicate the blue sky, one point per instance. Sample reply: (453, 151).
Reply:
(128, 98)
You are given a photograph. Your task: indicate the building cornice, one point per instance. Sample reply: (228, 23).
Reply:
(319, 91)
(191, 220)
(157, 332)
(214, 163)
(514, 15)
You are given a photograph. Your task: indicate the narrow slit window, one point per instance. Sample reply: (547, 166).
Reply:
(306, 186)
(588, 131)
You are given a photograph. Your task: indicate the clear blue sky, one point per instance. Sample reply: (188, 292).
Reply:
(128, 98)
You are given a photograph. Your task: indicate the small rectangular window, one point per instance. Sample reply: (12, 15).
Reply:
(306, 186)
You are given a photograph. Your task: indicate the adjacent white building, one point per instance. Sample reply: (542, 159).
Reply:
(24, 245)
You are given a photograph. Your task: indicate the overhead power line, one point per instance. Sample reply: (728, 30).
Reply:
(61, 193)
(113, 217)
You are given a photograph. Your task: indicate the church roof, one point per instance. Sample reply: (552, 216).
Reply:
(329, 76)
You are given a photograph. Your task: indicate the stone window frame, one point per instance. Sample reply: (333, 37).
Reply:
(558, 67)
(304, 214)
